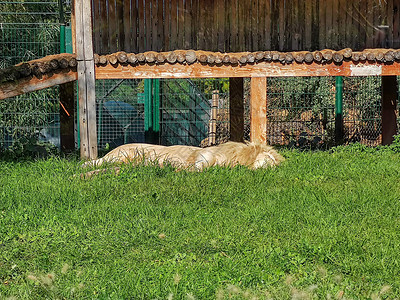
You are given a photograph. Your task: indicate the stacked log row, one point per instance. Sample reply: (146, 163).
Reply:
(68, 61)
(39, 67)
(242, 58)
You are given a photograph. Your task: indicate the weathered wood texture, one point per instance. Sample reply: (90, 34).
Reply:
(238, 25)
(258, 110)
(30, 84)
(267, 69)
(236, 109)
(86, 80)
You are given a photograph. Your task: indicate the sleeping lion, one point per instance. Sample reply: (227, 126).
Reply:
(229, 154)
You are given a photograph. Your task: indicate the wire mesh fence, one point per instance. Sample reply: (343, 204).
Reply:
(29, 30)
(120, 112)
(362, 110)
(300, 111)
(185, 111)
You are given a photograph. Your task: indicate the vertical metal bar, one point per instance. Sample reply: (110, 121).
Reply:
(148, 122)
(339, 110)
(62, 39)
(156, 108)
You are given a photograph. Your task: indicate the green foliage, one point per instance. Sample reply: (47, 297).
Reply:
(322, 225)
(21, 121)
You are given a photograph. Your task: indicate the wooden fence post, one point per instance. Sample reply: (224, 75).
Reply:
(86, 79)
(212, 129)
(389, 97)
(258, 110)
(67, 116)
(236, 109)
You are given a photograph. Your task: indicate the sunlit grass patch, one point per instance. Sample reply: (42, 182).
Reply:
(323, 225)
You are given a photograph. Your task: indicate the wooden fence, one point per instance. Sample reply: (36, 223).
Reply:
(244, 25)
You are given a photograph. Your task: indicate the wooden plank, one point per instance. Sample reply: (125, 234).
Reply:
(389, 118)
(112, 26)
(142, 25)
(262, 69)
(351, 35)
(208, 25)
(268, 33)
(67, 116)
(342, 26)
(31, 84)
(127, 26)
(301, 23)
(167, 25)
(396, 24)
(156, 46)
(236, 109)
(322, 22)
(234, 26)
(120, 24)
(73, 26)
(335, 25)
(315, 26)
(195, 24)
(254, 26)
(308, 24)
(160, 25)
(187, 24)
(258, 110)
(181, 25)
(295, 26)
(134, 26)
(104, 47)
(86, 80)
(262, 25)
(219, 19)
(329, 25)
(288, 6)
(241, 25)
(148, 29)
(174, 25)
(390, 22)
(96, 26)
(247, 29)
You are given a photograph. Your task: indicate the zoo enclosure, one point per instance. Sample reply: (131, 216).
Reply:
(222, 33)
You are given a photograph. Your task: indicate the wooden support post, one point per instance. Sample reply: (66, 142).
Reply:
(212, 129)
(236, 109)
(86, 79)
(67, 116)
(389, 97)
(258, 110)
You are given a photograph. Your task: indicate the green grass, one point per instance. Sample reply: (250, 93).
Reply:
(323, 225)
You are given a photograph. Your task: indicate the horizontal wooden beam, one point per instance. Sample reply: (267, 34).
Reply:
(32, 83)
(262, 69)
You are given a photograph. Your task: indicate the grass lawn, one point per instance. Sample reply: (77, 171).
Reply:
(323, 225)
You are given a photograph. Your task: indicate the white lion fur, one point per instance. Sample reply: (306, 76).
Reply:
(230, 154)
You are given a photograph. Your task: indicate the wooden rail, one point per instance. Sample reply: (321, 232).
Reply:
(263, 69)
